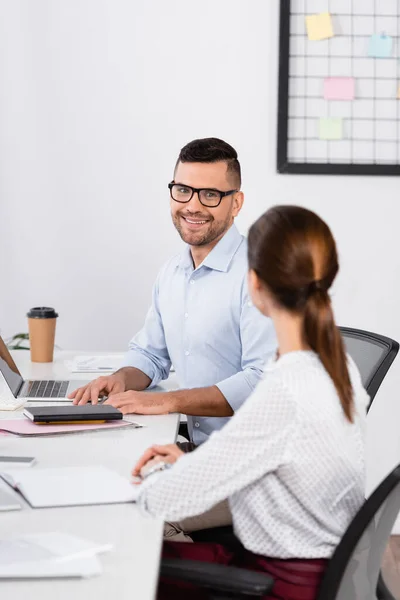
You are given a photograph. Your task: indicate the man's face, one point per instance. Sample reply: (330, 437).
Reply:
(199, 225)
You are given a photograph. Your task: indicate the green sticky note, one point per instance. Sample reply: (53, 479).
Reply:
(330, 128)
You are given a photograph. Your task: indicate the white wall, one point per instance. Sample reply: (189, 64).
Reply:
(96, 99)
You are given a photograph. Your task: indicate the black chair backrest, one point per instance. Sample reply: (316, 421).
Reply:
(373, 355)
(354, 568)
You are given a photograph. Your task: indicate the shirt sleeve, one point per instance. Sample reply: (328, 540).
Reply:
(256, 441)
(259, 343)
(148, 349)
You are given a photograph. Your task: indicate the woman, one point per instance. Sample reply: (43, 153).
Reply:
(291, 460)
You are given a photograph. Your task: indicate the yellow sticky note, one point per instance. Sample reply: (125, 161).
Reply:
(319, 27)
(398, 92)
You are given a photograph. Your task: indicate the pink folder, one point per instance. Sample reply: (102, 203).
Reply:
(25, 427)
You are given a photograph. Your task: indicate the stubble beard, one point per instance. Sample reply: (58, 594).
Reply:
(216, 229)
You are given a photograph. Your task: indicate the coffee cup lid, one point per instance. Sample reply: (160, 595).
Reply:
(42, 312)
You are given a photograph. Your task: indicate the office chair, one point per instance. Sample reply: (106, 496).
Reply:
(373, 355)
(352, 573)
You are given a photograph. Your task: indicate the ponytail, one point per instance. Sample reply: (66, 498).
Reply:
(324, 337)
(292, 251)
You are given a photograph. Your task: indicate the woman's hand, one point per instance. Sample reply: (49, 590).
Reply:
(155, 454)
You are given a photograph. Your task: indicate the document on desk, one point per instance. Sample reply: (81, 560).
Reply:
(50, 554)
(70, 486)
(95, 364)
(82, 567)
(24, 427)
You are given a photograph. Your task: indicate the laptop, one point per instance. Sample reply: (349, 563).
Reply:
(13, 386)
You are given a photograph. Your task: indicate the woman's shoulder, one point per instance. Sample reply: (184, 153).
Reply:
(293, 366)
(290, 375)
(302, 373)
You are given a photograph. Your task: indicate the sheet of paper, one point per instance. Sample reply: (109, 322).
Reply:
(47, 546)
(52, 554)
(380, 46)
(25, 427)
(330, 128)
(339, 88)
(87, 566)
(95, 364)
(319, 27)
(71, 486)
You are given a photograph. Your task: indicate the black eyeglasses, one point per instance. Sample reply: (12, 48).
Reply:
(207, 197)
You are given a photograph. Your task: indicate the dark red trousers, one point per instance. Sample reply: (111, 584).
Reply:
(294, 579)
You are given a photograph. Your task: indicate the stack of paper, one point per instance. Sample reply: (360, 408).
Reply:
(95, 364)
(47, 555)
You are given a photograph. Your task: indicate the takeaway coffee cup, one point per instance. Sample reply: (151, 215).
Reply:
(42, 329)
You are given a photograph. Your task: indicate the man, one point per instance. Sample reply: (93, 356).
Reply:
(201, 319)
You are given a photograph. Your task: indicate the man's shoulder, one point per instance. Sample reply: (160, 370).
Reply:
(170, 266)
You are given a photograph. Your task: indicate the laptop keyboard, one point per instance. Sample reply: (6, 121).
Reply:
(47, 389)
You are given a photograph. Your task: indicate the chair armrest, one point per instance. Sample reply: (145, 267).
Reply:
(218, 577)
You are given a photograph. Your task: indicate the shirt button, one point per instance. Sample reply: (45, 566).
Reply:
(192, 281)
(186, 315)
(187, 353)
(197, 424)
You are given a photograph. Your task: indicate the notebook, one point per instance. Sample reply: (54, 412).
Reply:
(86, 413)
(70, 486)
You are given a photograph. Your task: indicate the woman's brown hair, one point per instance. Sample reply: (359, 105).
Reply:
(293, 252)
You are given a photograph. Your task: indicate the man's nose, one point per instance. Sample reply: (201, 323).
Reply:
(194, 203)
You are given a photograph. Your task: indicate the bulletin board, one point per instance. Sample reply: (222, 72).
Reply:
(339, 87)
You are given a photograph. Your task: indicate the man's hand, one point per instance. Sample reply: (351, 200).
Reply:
(114, 384)
(141, 403)
(168, 454)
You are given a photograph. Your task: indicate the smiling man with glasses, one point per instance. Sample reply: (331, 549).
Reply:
(201, 319)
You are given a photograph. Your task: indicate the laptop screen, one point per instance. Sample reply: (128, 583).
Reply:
(9, 369)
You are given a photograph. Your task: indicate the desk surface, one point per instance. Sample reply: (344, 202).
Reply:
(131, 569)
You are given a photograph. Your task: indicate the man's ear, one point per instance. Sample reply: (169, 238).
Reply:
(238, 200)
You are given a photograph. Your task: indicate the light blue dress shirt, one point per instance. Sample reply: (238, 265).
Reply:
(202, 320)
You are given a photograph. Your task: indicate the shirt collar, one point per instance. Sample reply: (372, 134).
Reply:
(220, 256)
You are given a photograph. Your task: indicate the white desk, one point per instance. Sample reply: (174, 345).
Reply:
(131, 570)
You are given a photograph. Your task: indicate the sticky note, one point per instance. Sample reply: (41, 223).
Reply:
(380, 46)
(319, 27)
(339, 88)
(398, 92)
(330, 128)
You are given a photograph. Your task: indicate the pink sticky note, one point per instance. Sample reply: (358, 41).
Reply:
(339, 88)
